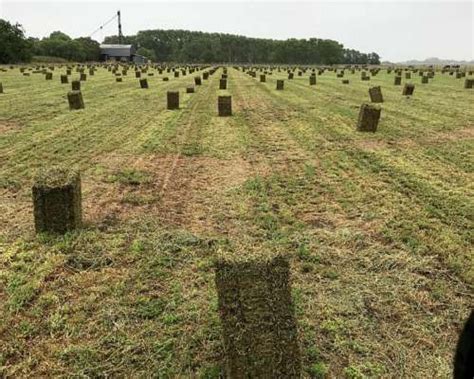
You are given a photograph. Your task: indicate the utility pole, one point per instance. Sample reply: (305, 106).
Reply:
(120, 36)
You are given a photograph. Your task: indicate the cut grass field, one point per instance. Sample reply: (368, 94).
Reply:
(379, 226)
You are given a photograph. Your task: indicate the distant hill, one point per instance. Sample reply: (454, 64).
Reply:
(436, 61)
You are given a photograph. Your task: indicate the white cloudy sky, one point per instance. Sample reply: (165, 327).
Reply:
(397, 30)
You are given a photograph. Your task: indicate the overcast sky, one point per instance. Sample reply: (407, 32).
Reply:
(396, 30)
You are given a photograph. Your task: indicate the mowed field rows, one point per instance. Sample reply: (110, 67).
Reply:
(378, 225)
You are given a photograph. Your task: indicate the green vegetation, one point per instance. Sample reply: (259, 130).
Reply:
(378, 226)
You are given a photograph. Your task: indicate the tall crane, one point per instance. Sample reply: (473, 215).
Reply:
(119, 20)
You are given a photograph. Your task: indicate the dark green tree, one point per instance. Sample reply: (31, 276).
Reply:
(14, 46)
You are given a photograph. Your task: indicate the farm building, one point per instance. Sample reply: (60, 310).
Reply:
(123, 53)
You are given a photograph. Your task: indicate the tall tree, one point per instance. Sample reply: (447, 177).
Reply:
(14, 47)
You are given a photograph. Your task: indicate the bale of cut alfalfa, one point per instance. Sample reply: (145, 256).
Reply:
(1, 87)
(407, 75)
(64, 79)
(190, 89)
(290, 75)
(408, 89)
(263, 78)
(68, 72)
(83, 77)
(197, 80)
(75, 100)
(172, 100)
(57, 200)
(91, 71)
(468, 83)
(369, 116)
(257, 316)
(48, 76)
(138, 74)
(205, 75)
(345, 81)
(397, 80)
(144, 83)
(312, 80)
(76, 85)
(224, 106)
(280, 84)
(222, 83)
(176, 74)
(375, 94)
(424, 80)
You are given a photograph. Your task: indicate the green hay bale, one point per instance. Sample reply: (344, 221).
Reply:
(48, 76)
(83, 77)
(408, 89)
(290, 75)
(75, 100)
(263, 78)
(138, 74)
(397, 80)
(144, 83)
(280, 84)
(197, 80)
(345, 81)
(424, 80)
(57, 200)
(369, 117)
(172, 100)
(468, 83)
(375, 94)
(205, 75)
(257, 315)
(64, 79)
(1, 87)
(222, 83)
(190, 89)
(312, 80)
(119, 79)
(224, 106)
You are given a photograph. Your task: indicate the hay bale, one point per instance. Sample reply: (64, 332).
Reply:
(312, 80)
(397, 80)
(118, 79)
(407, 75)
(64, 79)
(369, 116)
(176, 74)
(408, 89)
(197, 80)
(224, 106)
(172, 100)
(205, 75)
(257, 316)
(76, 85)
(424, 80)
(190, 89)
(75, 100)
(57, 200)
(280, 84)
(222, 83)
(83, 77)
(138, 74)
(48, 76)
(144, 83)
(468, 83)
(68, 72)
(290, 75)
(345, 81)
(375, 94)
(165, 79)
(263, 78)
(1, 87)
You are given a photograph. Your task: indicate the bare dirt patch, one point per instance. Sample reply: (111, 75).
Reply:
(8, 126)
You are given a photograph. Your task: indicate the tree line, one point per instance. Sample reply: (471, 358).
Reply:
(181, 46)
(200, 47)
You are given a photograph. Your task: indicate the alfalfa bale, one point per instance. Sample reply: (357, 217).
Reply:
(144, 83)
(222, 83)
(118, 79)
(64, 79)
(257, 316)
(312, 80)
(48, 76)
(75, 100)
(172, 100)
(375, 94)
(397, 80)
(224, 106)
(369, 116)
(424, 80)
(197, 80)
(345, 81)
(290, 75)
(280, 84)
(263, 78)
(57, 200)
(190, 89)
(468, 83)
(1, 87)
(138, 74)
(408, 89)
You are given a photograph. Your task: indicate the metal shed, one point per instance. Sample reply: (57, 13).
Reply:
(117, 52)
